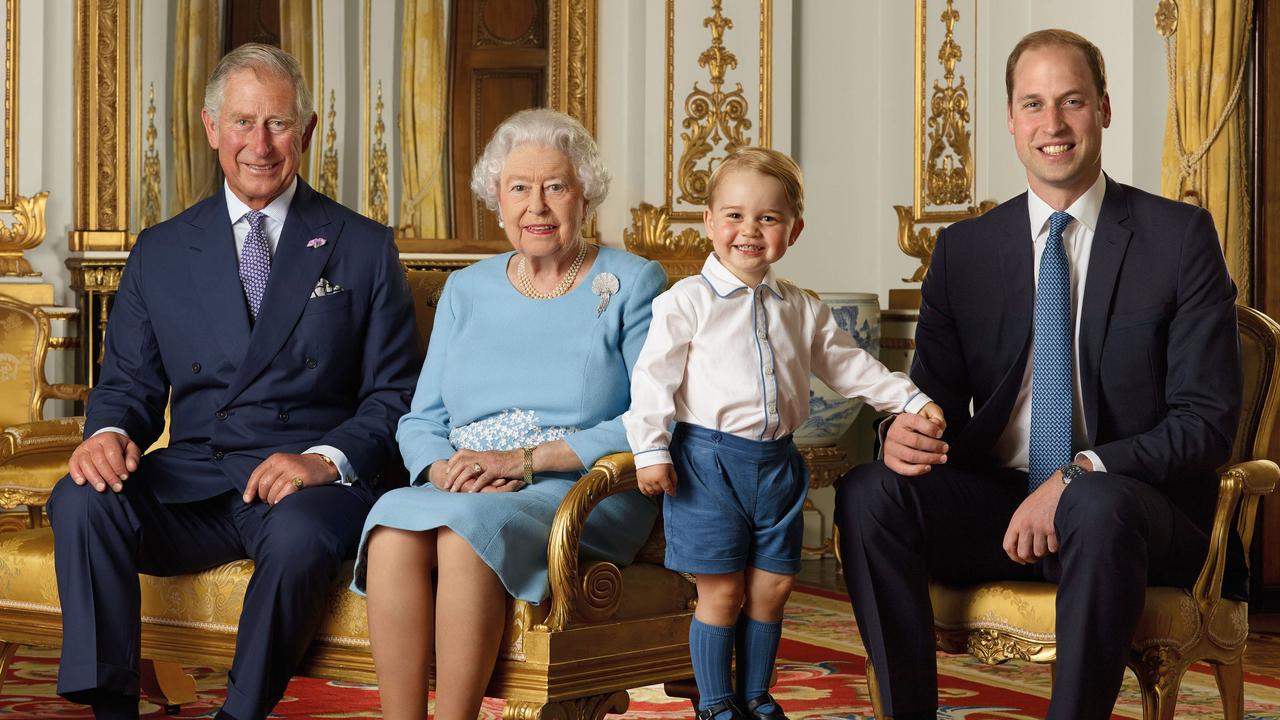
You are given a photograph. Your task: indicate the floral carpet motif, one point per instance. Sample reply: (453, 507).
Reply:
(820, 675)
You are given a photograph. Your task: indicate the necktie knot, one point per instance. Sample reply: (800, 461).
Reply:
(1057, 223)
(255, 220)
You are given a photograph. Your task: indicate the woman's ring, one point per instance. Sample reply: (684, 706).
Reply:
(477, 468)
(297, 483)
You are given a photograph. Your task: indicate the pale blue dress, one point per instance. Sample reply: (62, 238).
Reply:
(505, 371)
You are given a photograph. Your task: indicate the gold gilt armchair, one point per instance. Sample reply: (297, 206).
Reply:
(1000, 621)
(33, 451)
(603, 630)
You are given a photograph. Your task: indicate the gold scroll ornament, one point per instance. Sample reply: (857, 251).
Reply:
(26, 232)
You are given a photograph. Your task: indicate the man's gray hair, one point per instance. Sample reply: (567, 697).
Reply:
(542, 126)
(259, 58)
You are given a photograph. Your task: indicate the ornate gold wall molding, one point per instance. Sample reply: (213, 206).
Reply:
(945, 168)
(711, 118)
(26, 232)
(9, 194)
(150, 167)
(572, 75)
(329, 163)
(378, 175)
(716, 122)
(102, 111)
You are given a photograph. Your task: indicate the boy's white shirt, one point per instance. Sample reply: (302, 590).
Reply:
(737, 360)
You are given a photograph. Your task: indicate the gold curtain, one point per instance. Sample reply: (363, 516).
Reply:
(1207, 43)
(197, 47)
(297, 37)
(424, 212)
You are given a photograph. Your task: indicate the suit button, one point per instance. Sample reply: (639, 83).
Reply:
(221, 414)
(284, 416)
(217, 454)
(195, 367)
(311, 363)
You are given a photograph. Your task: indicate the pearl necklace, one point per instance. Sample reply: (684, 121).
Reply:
(526, 282)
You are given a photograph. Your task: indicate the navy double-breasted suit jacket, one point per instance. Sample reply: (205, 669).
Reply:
(314, 369)
(1158, 351)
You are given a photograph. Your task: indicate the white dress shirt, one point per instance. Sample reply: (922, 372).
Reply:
(276, 211)
(725, 356)
(1077, 242)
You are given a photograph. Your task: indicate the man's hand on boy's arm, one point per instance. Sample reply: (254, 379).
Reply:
(657, 479)
(913, 445)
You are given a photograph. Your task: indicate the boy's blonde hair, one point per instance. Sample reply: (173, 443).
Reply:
(765, 161)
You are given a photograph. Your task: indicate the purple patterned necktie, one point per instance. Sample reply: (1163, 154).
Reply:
(255, 261)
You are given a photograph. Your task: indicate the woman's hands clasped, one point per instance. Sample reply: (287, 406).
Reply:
(476, 471)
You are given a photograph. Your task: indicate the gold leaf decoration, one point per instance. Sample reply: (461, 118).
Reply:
(26, 232)
(711, 118)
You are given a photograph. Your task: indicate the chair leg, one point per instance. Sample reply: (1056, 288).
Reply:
(1160, 692)
(593, 707)
(167, 684)
(687, 689)
(1231, 686)
(7, 650)
(873, 689)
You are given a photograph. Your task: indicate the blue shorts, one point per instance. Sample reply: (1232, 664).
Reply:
(738, 503)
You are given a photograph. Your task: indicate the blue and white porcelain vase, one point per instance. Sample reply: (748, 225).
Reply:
(831, 414)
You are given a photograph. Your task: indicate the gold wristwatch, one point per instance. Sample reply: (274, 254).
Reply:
(528, 465)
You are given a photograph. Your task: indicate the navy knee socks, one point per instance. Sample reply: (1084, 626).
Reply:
(757, 645)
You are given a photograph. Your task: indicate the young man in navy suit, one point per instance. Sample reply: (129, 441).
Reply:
(277, 326)
(1089, 400)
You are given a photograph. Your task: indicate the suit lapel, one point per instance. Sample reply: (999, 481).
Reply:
(215, 272)
(1110, 241)
(295, 268)
(1015, 249)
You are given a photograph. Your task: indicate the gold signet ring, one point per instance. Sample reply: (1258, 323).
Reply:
(297, 482)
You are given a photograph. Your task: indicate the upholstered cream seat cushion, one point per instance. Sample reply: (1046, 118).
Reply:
(1027, 609)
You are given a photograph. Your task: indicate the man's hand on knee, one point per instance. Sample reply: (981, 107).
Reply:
(913, 445)
(1031, 534)
(104, 460)
(283, 474)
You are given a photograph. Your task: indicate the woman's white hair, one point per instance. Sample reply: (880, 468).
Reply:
(554, 129)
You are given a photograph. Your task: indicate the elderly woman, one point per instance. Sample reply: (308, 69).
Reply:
(526, 377)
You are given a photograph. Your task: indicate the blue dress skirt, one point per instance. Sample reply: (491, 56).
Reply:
(509, 530)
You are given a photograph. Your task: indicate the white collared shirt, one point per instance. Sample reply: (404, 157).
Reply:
(276, 211)
(725, 356)
(1077, 242)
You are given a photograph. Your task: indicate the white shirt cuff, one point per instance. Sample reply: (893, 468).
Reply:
(111, 429)
(1093, 458)
(346, 474)
(917, 403)
(657, 456)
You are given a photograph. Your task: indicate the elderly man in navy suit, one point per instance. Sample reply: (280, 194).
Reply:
(277, 326)
(1090, 398)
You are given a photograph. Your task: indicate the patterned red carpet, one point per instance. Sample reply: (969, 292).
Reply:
(820, 675)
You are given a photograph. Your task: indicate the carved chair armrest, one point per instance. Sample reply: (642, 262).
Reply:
(66, 391)
(45, 436)
(611, 474)
(1242, 484)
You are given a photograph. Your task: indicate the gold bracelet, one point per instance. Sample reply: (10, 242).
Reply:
(528, 466)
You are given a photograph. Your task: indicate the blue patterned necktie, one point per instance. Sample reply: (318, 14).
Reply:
(255, 261)
(1049, 446)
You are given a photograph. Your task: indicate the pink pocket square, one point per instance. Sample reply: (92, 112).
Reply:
(316, 242)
